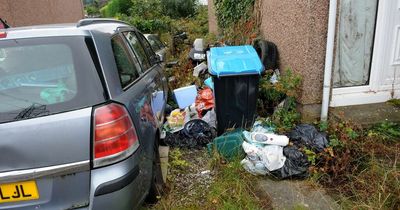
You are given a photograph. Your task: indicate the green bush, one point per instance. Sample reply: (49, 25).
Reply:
(115, 7)
(229, 12)
(146, 9)
(179, 8)
(152, 26)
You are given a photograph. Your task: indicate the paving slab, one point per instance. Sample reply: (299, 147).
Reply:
(294, 194)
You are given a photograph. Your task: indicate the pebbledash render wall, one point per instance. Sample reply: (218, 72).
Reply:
(29, 12)
(212, 19)
(299, 29)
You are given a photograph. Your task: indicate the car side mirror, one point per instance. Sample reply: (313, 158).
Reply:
(159, 58)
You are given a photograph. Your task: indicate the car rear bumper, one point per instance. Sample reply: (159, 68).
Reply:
(117, 186)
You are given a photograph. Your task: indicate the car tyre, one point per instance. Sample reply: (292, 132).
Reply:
(157, 186)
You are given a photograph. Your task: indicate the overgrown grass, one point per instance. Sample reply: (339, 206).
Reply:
(395, 102)
(231, 188)
(362, 167)
(234, 188)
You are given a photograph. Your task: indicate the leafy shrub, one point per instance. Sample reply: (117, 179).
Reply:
(92, 10)
(361, 166)
(270, 95)
(179, 8)
(153, 26)
(114, 7)
(230, 12)
(146, 9)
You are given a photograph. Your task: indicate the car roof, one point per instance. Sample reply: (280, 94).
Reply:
(83, 28)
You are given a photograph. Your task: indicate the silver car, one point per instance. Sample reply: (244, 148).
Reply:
(81, 107)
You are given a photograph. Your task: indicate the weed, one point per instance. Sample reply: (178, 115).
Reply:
(394, 102)
(386, 130)
(233, 189)
(176, 160)
(300, 207)
(271, 95)
(361, 166)
(323, 126)
(311, 156)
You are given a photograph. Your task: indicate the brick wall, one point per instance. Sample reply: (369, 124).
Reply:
(28, 12)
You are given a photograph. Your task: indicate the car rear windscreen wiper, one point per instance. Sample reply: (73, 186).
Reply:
(32, 111)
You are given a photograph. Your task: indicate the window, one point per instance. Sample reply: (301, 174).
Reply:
(138, 49)
(354, 42)
(126, 67)
(43, 76)
(148, 48)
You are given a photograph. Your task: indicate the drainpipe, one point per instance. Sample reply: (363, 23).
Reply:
(329, 59)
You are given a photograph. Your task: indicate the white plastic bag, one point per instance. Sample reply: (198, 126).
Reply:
(262, 159)
(272, 157)
(253, 163)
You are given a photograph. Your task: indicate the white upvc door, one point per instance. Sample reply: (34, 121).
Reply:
(384, 77)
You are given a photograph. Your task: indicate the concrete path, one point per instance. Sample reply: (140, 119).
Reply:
(366, 115)
(296, 195)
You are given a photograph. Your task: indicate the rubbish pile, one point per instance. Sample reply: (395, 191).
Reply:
(272, 154)
(228, 96)
(195, 134)
(194, 125)
(217, 114)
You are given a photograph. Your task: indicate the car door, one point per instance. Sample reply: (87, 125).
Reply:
(134, 97)
(160, 96)
(148, 101)
(152, 71)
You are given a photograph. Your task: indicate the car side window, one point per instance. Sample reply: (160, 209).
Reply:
(153, 43)
(138, 49)
(148, 49)
(127, 69)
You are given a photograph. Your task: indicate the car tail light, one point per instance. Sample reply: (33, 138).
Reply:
(3, 34)
(114, 136)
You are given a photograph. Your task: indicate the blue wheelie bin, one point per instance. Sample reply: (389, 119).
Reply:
(236, 71)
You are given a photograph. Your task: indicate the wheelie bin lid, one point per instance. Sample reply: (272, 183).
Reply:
(234, 60)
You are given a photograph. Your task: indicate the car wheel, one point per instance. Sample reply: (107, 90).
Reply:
(157, 187)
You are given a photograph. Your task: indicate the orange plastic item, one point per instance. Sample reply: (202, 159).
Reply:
(204, 100)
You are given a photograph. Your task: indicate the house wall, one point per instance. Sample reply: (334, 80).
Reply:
(28, 12)
(299, 29)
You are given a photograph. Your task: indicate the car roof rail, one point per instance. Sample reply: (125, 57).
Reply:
(90, 21)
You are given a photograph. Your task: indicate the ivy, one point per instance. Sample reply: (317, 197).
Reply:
(229, 12)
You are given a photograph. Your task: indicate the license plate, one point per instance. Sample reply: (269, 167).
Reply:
(18, 191)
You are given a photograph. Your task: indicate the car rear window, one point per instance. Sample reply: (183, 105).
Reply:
(42, 76)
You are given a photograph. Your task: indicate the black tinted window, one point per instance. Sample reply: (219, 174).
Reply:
(42, 76)
(127, 70)
(138, 49)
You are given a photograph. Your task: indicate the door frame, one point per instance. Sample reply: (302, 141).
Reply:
(374, 92)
